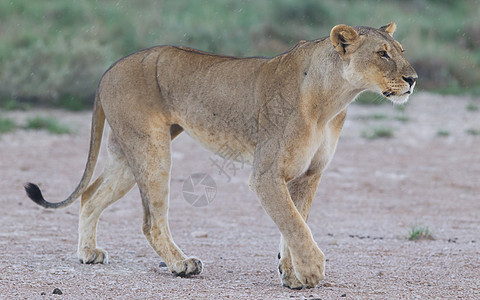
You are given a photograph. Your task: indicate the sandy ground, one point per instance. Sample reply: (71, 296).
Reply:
(370, 197)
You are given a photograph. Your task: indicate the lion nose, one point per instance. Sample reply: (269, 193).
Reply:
(410, 80)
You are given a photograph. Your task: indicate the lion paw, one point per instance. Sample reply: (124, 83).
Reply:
(187, 267)
(310, 272)
(93, 256)
(287, 275)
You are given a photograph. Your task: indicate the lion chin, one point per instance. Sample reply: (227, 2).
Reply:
(400, 99)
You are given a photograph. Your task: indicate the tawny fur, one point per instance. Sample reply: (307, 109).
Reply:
(283, 114)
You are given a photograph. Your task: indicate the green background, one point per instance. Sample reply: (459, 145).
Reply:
(53, 53)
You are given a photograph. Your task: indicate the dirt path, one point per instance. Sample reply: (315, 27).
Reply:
(372, 194)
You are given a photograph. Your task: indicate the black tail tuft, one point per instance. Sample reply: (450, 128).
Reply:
(34, 193)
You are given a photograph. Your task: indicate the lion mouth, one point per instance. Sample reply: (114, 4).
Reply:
(397, 98)
(391, 93)
(388, 93)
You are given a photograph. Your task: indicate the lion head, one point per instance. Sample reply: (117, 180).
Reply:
(374, 61)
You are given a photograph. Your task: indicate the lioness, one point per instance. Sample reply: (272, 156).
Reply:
(283, 114)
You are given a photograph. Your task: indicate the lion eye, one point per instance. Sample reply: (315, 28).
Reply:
(383, 54)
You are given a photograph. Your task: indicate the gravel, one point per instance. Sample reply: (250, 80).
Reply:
(373, 193)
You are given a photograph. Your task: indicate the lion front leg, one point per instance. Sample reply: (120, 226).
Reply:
(285, 267)
(302, 191)
(307, 260)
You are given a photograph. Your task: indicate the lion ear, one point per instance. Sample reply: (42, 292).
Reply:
(341, 36)
(389, 28)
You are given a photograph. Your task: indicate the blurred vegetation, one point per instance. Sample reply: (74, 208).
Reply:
(6, 125)
(473, 131)
(49, 124)
(472, 107)
(380, 132)
(54, 52)
(443, 133)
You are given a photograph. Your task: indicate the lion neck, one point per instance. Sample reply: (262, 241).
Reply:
(326, 89)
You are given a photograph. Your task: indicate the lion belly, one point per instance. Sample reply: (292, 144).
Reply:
(229, 147)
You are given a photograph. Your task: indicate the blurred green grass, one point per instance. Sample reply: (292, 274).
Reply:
(47, 123)
(54, 52)
(6, 125)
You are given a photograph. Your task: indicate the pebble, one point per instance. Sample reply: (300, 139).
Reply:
(200, 234)
(327, 284)
(57, 291)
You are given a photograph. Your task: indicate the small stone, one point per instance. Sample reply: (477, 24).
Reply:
(43, 294)
(200, 234)
(57, 291)
(162, 265)
(343, 295)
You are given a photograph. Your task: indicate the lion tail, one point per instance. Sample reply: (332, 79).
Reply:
(98, 123)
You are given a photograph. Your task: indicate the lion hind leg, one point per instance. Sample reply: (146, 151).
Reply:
(151, 163)
(115, 181)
